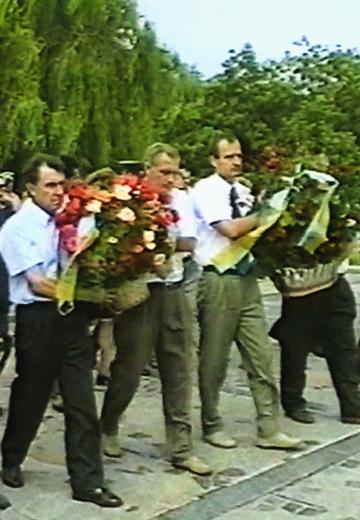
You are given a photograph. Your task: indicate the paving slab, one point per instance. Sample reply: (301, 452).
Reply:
(144, 477)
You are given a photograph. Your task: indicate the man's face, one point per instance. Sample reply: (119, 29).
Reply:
(228, 164)
(179, 181)
(162, 173)
(48, 192)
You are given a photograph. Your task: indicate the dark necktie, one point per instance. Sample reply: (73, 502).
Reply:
(234, 198)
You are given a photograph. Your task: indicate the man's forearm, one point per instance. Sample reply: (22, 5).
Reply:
(236, 228)
(41, 285)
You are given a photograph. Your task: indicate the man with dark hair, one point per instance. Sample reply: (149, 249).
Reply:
(48, 345)
(159, 324)
(230, 307)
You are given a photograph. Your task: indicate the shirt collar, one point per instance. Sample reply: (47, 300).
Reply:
(37, 213)
(241, 189)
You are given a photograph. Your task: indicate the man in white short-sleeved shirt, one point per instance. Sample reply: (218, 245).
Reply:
(159, 324)
(48, 346)
(230, 307)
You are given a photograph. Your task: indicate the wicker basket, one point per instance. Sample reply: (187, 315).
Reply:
(128, 295)
(300, 282)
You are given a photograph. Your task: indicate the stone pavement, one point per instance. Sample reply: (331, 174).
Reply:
(152, 488)
(330, 494)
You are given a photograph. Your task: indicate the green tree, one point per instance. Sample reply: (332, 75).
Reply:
(21, 107)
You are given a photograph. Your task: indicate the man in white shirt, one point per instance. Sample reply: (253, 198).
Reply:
(230, 307)
(48, 346)
(160, 324)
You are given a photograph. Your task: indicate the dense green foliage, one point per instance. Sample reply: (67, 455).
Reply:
(84, 78)
(299, 107)
(88, 79)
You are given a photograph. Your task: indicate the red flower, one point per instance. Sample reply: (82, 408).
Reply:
(129, 180)
(166, 218)
(79, 190)
(68, 238)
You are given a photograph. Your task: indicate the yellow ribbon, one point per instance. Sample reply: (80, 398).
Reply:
(65, 291)
(238, 249)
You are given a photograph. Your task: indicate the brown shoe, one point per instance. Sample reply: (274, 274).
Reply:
(194, 465)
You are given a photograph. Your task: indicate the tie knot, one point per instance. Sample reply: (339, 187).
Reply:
(233, 194)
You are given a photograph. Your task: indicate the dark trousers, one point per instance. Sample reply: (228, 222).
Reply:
(161, 324)
(50, 346)
(324, 318)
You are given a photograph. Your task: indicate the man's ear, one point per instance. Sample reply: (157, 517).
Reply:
(30, 188)
(213, 161)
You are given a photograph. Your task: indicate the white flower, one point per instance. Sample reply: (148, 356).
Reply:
(122, 192)
(150, 245)
(159, 259)
(113, 240)
(148, 236)
(126, 215)
(94, 206)
(350, 222)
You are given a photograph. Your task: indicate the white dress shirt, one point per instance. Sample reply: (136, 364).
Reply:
(211, 199)
(29, 239)
(184, 228)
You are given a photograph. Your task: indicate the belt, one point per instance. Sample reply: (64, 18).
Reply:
(41, 304)
(168, 285)
(228, 272)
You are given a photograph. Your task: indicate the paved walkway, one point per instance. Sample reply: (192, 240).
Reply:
(149, 485)
(329, 494)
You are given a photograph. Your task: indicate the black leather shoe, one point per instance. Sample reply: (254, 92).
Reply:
(4, 503)
(301, 416)
(13, 477)
(351, 420)
(100, 496)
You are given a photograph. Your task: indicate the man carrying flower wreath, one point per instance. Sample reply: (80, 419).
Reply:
(319, 320)
(230, 307)
(48, 345)
(161, 323)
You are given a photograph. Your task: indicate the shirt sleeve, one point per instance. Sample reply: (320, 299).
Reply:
(210, 204)
(18, 251)
(187, 225)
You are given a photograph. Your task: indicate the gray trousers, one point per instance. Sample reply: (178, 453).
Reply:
(162, 324)
(230, 309)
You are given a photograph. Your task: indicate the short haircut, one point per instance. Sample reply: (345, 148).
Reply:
(223, 136)
(31, 170)
(156, 149)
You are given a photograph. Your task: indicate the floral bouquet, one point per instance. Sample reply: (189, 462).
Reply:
(111, 239)
(303, 249)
